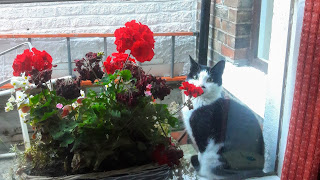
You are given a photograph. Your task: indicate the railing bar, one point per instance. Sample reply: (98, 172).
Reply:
(69, 56)
(172, 54)
(29, 40)
(105, 46)
(88, 35)
(2, 70)
(6, 51)
(7, 155)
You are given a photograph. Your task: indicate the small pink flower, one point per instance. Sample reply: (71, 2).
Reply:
(148, 93)
(149, 86)
(59, 106)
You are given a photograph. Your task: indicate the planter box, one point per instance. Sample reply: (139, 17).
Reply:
(145, 172)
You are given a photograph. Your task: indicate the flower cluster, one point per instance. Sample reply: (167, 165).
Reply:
(116, 62)
(89, 68)
(28, 60)
(20, 82)
(191, 90)
(136, 37)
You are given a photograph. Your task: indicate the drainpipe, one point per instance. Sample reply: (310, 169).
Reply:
(204, 31)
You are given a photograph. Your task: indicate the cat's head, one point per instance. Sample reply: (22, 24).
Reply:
(210, 79)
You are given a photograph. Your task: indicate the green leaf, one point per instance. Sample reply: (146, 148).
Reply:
(67, 139)
(172, 121)
(115, 113)
(48, 115)
(35, 99)
(126, 74)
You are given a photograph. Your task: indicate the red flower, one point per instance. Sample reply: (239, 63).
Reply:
(112, 64)
(191, 90)
(41, 60)
(23, 63)
(142, 51)
(136, 37)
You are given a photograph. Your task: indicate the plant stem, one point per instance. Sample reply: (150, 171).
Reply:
(184, 104)
(162, 129)
(125, 63)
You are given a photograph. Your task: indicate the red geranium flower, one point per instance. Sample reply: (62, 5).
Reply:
(41, 60)
(191, 90)
(136, 37)
(23, 63)
(112, 64)
(142, 51)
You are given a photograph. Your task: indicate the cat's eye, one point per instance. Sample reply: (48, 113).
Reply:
(209, 80)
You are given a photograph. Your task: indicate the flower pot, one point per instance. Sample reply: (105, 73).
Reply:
(180, 135)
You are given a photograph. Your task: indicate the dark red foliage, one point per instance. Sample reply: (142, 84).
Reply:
(136, 37)
(191, 90)
(89, 67)
(68, 88)
(159, 87)
(167, 155)
(40, 77)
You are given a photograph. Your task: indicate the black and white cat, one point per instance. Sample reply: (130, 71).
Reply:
(218, 125)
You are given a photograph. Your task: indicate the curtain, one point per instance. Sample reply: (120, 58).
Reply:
(303, 145)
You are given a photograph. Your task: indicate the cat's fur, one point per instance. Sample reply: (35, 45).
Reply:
(216, 127)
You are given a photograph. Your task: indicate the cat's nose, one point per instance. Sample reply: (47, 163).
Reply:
(203, 87)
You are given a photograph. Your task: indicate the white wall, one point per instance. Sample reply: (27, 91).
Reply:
(291, 77)
(102, 16)
(279, 97)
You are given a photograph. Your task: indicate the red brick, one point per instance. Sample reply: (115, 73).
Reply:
(241, 54)
(228, 27)
(226, 51)
(217, 23)
(230, 41)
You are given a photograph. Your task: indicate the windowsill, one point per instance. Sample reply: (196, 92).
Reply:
(248, 85)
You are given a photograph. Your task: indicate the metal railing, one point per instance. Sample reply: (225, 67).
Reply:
(104, 36)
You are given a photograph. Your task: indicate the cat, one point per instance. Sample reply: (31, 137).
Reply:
(219, 126)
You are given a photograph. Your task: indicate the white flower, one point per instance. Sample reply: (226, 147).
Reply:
(82, 94)
(9, 107)
(11, 99)
(20, 82)
(75, 104)
(21, 97)
(107, 86)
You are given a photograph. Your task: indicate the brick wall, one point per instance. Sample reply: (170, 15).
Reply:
(230, 30)
(103, 16)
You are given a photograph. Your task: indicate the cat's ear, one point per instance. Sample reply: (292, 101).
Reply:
(218, 68)
(194, 65)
